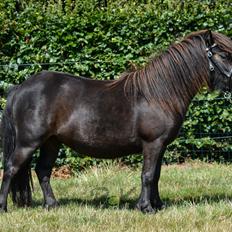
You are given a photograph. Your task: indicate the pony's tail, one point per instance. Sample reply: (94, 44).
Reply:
(21, 187)
(22, 181)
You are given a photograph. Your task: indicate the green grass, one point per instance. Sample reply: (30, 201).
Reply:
(198, 198)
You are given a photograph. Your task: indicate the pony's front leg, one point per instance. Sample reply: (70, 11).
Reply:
(151, 154)
(155, 198)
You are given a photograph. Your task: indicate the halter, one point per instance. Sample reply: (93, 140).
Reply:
(213, 64)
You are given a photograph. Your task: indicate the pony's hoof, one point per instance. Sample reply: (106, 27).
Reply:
(149, 210)
(50, 206)
(146, 208)
(3, 209)
(159, 205)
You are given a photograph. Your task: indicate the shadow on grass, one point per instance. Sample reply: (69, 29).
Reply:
(105, 202)
(102, 202)
(197, 200)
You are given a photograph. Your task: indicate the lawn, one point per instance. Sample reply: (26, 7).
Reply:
(197, 196)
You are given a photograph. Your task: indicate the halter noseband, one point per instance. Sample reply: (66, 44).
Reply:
(213, 64)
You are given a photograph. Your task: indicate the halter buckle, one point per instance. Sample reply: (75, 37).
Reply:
(211, 67)
(210, 54)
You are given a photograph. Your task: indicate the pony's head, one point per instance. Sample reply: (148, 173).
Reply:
(218, 49)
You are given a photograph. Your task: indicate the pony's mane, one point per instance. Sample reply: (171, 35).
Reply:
(175, 76)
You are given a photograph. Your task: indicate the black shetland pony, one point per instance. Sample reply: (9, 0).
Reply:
(140, 112)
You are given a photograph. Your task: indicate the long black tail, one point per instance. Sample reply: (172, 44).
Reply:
(20, 184)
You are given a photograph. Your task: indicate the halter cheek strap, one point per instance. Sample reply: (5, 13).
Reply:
(213, 64)
(210, 54)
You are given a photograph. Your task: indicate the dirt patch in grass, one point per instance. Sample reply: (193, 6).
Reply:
(63, 172)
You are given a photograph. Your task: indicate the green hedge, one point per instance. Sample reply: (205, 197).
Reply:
(83, 38)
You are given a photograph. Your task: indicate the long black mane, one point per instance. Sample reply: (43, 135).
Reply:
(175, 76)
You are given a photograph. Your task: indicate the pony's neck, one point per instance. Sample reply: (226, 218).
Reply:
(171, 79)
(179, 74)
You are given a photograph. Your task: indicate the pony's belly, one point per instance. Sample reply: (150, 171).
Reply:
(107, 151)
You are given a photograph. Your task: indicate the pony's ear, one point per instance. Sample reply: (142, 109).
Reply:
(209, 38)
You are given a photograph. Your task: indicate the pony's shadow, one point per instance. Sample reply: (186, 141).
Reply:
(98, 202)
(197, 200)
(129, 203)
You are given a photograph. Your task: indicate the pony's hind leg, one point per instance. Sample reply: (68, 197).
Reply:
(48, 155)
(16, 161)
